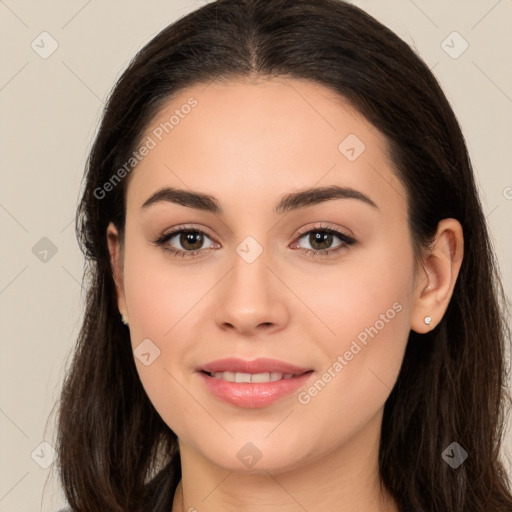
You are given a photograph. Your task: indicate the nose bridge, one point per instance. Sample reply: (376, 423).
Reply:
(249, 296)
(250, 277)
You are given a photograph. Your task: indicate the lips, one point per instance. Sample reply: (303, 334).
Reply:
(252, 384)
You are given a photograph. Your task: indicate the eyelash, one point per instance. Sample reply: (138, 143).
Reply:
(346, 241)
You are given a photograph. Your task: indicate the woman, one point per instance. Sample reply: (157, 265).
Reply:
(294, 303)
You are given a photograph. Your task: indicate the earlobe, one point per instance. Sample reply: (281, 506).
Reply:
(116, 263)
(436, 283)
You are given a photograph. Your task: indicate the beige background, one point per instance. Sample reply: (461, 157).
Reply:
(50, 110)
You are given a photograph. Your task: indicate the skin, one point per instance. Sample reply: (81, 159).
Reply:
(248, 144)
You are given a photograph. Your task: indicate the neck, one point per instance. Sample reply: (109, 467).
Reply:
(345, 479)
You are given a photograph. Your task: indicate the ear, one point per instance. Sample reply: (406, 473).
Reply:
(436, 281)
(115, 249)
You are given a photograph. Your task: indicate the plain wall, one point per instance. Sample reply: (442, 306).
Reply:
(50, 108)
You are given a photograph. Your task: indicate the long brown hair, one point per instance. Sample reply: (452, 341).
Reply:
(115, 451)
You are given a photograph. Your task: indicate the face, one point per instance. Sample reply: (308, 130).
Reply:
(324, 283)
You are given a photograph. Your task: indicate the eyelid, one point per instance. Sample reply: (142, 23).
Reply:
(186, 227)
(319, 226)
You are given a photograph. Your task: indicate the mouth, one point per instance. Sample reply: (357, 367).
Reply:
(252, 384)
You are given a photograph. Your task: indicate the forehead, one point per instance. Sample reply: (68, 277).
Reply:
(240, 139)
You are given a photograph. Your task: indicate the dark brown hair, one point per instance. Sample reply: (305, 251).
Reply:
(115, 451)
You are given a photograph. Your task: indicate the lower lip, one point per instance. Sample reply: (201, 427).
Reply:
(253, 395)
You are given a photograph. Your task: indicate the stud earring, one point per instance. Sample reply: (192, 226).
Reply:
(124, 320)
(427, 320)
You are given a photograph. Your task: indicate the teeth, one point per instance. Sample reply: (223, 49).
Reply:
(251, 377)
(242, 377)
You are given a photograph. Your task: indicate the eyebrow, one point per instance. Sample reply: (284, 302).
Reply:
(289, 202)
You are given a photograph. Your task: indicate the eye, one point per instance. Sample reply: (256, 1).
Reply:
(190, 239)
(320, 240)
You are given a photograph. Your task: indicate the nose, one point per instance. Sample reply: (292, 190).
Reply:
(251, 299)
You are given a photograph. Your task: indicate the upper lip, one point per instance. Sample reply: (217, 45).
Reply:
(260, 365)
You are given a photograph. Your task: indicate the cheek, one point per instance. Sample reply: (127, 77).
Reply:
(362, 364)
(360, 374)
(158, 298)
(365, 304)
(362, 292)
(159, 293)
